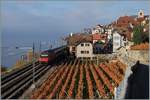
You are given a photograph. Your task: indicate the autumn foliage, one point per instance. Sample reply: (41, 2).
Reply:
(142, 46)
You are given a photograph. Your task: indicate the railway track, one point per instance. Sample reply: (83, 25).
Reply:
(16, 82)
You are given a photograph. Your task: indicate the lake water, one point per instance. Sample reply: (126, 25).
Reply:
(9, 53)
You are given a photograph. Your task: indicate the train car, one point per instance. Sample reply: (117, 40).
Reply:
(46, 56)
(49, 56)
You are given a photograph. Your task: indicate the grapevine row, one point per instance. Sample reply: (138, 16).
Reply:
(112, 68)
(110, 73)
(58, 83)
(42, 88)
(80, 80)
(89, 82)
(99, 85)
(105, 79)
(121, 66)
(62, 92)
(70, 91)
(80, 85)
(48, 87)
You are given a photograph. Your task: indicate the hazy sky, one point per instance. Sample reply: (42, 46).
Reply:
(51, 19)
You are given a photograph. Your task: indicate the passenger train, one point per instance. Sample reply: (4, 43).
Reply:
(48, 56)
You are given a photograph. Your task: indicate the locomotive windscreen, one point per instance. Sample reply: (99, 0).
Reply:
(44, 55)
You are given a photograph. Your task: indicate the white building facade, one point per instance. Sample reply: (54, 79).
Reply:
(84, 50)
(94, 31)
(109, 33)
(116, 41)
(141, 14)
(98, 29)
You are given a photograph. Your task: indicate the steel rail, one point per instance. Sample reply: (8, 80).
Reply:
(14, 73)
(12, 86)
(6, 89)
(27, 84)
(17, 79)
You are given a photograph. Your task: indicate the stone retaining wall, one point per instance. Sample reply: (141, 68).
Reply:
(141, 55)
(130, 58)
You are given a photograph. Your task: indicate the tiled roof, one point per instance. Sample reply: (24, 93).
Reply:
(125, 20)
(96, 36)
(99, 36)
(79, 37)
(128, 35)
(142, 46)
(140, 19)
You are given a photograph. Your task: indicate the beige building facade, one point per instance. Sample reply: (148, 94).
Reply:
(84, 50)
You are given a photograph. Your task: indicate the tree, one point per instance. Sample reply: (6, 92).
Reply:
(100, 42)
(145, 37)
(137, 34)
(19, 63)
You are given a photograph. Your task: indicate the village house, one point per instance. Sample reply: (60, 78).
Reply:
(98, 29)
(118, 41)
(141, 18)
(125, 22)
(95, 31)
(99, 37)
(95, 38)
(108, 31)
(84, 50)
(118, 33)
(141, 14)
(74, 39)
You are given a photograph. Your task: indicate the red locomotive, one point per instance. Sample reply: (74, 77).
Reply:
(51, 55)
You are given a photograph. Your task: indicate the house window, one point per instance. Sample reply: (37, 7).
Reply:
(82, 44)
(87, 44)
(116, 44)
(82, 52)
(116, 38)
(125, 44)
(87, 52)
